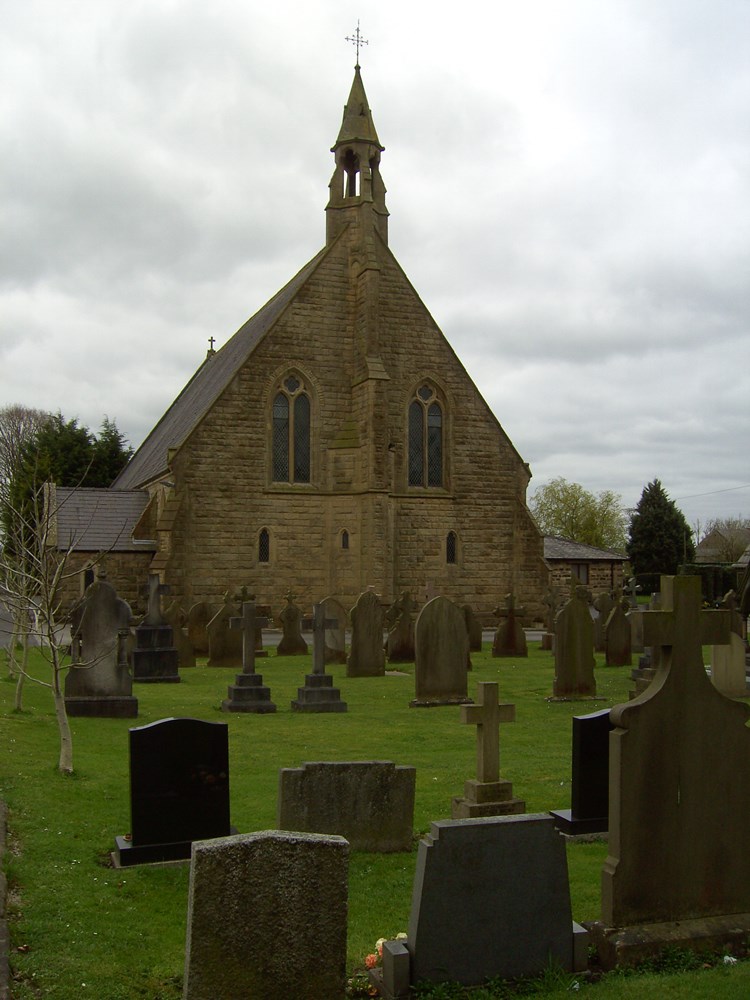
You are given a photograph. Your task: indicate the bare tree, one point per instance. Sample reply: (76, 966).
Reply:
(18, 425)
(731, 536)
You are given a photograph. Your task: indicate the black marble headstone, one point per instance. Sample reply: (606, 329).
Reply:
(179, 789)
(589, 812)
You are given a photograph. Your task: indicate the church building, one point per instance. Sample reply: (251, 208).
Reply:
(336, 442)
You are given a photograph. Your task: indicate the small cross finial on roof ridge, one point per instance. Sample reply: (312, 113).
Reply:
(358, 40)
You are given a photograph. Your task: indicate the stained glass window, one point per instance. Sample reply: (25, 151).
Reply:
(425, 439)
(291, 433)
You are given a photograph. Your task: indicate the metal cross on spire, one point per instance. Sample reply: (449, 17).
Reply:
(358, 40)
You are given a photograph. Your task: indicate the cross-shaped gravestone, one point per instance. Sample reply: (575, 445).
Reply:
(153, 592)
(486, 715)
(249, 622)
(674, 628)
(632, 588)
(318, 624)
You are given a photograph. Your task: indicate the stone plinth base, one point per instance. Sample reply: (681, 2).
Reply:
(392, 979)
(487, 798)
(248, 694)
(155, 658)
(619, 946)
(318, 695)
(126, 853)
(576, 826)
(436, 702)
(116, 707)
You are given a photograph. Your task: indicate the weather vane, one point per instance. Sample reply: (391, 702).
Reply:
(358, 40)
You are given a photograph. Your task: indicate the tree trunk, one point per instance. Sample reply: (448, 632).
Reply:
(65, 763)
(21, 673)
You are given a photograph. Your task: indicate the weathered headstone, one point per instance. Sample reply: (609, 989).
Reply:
(366, 656)
(175, 616)
(224, 642)
(617, 636)
(574, 650)
(677, 841)
(487, 795)
(155, 657)
(248, 693)
(551, 603)
(100, 683)
(334, 610)
(603, 605)
(474, 628)
(371, 802)
(318, 693)
(441, 655)
(291, 642)
(728, 661)
(510, 638)
(267, 918)
(400, 620)
(179, 790)
(589, 812)
(199, 615)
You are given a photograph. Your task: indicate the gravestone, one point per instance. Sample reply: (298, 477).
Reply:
(175, 616)
(224, 642)
(574, 649)
(267, 918)
(678, 840)
(248, 693)
(334, 610)
(318, 693)
(617, 636)
(603, 605)
(645, 672)
(291, 642)
(510, 639)
(155, 658)
(551, 603)
(370, 802)
(179, 790)
(99, 683)
(589, 812)
(474, 628)
(491, 900)
(400, 620)
(441, 654)
(366, 656)
(636, 630)
(199, 615)
(728, 661)
(487, 795)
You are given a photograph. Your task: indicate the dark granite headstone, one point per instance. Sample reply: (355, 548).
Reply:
(589, 812)
(179, 789)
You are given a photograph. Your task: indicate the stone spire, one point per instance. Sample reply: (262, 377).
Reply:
(357, 192)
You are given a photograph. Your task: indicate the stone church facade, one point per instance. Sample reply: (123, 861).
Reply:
(336, 442)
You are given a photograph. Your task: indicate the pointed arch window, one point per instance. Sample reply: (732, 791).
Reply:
(291, 423)
(264, 546)
(344, 539)
(451, 548)
(425, 438)
(351, 174)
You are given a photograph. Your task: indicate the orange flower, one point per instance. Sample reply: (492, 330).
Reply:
(371, 961)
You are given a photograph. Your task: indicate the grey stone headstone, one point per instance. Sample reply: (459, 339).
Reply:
(335, 650)
(366, 656)
(617, 637)
(267, 918)
(574, 650)
(224, 642)
(441, 654)
(199, 615)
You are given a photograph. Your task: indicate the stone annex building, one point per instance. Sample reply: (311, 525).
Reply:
(334, 443)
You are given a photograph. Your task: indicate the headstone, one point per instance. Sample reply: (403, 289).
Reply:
(574, 650)
(617, 636)
(179, 790)
(728, 661)
(551, 603)
(400, 620)
(248, 693)
(199, 615)
(510, 639)
(487, 795)
(491, 900)
(155, 657)
(603, 605)
(334, 610)
(371, 802)
(100, 684)
(175, 616)
(474, 628)
(318, 693)
(677, 841)
(224, 643)
(636, 630)
(290, 619)
(589, 812)
(267, 918)
(441, 654)
(366, 656)
(631, 589)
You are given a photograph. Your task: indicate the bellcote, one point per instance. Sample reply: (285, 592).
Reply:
(357, 192)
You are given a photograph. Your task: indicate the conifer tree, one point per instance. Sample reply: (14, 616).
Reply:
(660, 538)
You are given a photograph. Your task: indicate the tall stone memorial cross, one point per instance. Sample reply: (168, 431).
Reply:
(318, 623)
(487, 715)
(248, 623)
(153, 593)
(319, 694)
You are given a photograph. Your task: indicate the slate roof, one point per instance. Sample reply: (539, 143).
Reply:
(204, 388)
(564, 548)
(100, 520)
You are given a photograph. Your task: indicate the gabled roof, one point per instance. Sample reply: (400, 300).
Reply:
(564, 548)
(204, 388)
(99, 520)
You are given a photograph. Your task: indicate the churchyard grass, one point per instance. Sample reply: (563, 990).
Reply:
(76, 921)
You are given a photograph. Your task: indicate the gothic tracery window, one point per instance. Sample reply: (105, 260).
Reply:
(291, 432)
(425, 433)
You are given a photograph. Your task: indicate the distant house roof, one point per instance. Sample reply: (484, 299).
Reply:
(216, 372)
(719, 543)
(99, 520)
(565, 549)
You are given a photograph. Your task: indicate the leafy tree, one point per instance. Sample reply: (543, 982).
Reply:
(660, 537)
(111, 453)
(18, 425)
(568, 510)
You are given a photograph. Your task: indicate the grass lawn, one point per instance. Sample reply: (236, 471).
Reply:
(80, 928)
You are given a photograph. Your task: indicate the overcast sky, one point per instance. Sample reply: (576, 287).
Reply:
(568, 183)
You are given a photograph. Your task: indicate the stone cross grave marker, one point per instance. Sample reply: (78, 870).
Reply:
(248, 694)
(318, 624)
(318, 694)
(510, 639)
(153, 593)
(487, 795)
(155, 657)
